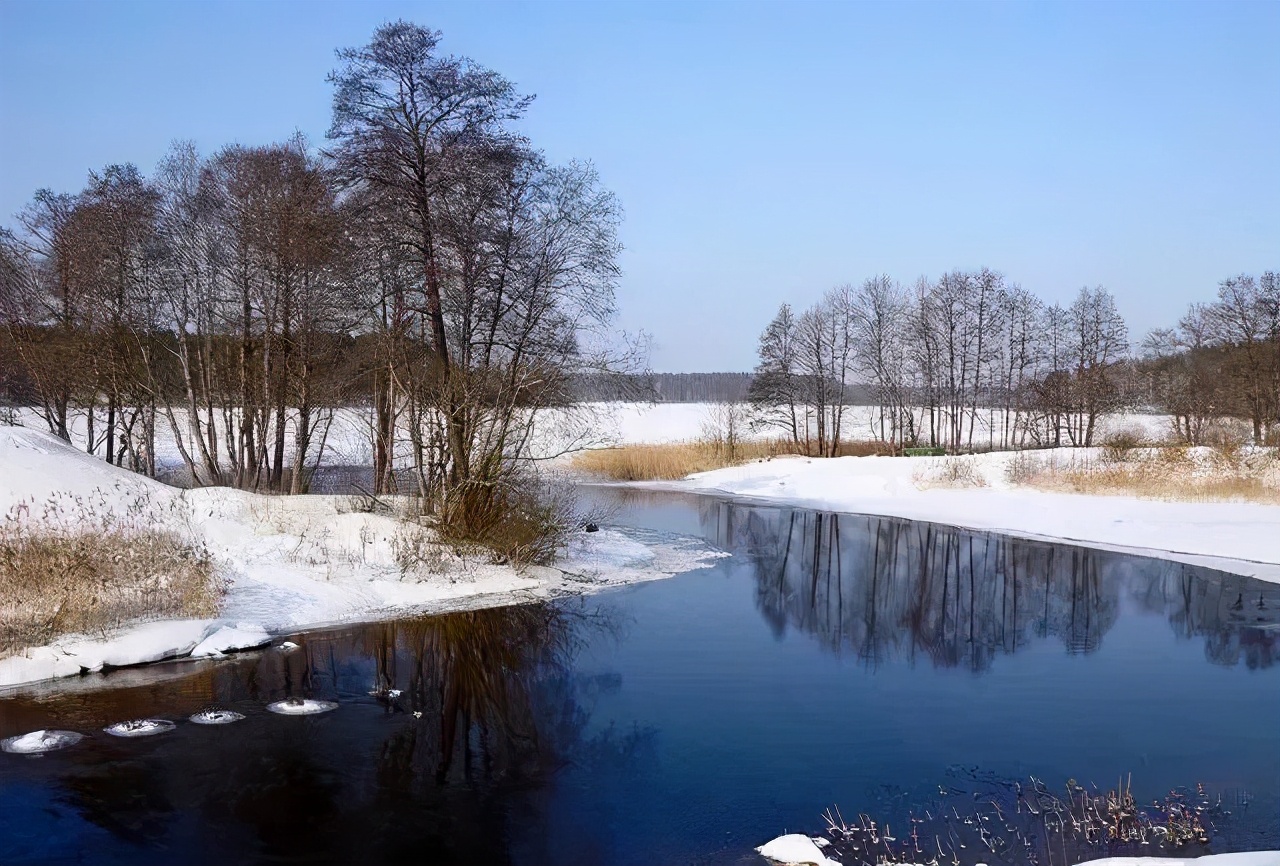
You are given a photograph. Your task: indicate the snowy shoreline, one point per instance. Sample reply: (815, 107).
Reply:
(797, 849)
(1237, 537)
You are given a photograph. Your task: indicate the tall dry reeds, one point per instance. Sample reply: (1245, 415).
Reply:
(675, 460)
(71, 568)
(1224, 473)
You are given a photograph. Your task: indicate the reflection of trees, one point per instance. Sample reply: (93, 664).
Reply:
(501, 707)
(888, 588)
(1238, 617)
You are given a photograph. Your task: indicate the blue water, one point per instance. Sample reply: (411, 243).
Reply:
(832, 659)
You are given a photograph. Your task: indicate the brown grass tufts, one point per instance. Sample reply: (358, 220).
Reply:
(93, 576)
(1174, 473)
(672, 461)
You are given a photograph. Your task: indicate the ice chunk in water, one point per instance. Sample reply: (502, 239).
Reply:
(139, 728)
(39, 742)
(301, 707)
(214, 716)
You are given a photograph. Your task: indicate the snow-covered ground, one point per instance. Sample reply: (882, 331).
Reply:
(1242, 538)
(795, 849)
(290, 562)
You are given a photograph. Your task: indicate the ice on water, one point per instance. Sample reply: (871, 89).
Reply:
(214, 716)
(139, 728)
(301, 707)
(39, 742)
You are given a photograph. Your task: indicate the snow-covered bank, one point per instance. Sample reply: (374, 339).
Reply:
(796, 849)
(1241, 538)
(290, 563)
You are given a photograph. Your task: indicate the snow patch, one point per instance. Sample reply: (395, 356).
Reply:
(795, 849)
(229, 638)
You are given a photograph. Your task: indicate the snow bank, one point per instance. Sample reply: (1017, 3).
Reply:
(229, 638)
(796, 848)
(1241, 538)
(140, 644)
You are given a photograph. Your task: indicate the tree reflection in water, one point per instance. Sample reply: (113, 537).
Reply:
(893, 589)
(489, 706)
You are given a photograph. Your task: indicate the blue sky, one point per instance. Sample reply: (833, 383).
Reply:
(762, 152)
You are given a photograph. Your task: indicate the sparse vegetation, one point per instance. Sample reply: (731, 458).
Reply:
(982, 818)
(959, 472)
(1228, 472)
(72, 569)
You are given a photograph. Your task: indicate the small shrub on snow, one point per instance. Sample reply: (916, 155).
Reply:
(1119, 447)
(956, 472)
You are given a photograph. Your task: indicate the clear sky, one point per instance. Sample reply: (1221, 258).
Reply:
(763, 152)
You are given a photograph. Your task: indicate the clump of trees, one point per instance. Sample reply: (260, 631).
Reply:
(430, 265)
(972, 360)
(1221, 360)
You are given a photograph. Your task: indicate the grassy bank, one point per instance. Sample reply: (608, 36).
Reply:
(1174, 473)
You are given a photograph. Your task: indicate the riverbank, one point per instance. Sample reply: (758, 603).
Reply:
(283, 564)
(1237, 537)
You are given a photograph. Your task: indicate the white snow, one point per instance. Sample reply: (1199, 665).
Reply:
(290, 563)
(1243, 538)
(795, 848)
(228, 638)
(139, 644)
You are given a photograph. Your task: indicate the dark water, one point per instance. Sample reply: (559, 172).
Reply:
(832, 659)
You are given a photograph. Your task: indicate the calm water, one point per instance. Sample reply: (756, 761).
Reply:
(833, 659)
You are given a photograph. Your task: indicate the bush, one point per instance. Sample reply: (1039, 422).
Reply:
(958, 472)
(1119, 446)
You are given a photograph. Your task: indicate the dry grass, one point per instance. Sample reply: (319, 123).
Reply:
(950, 472)
(89, 574)
(676, 460)
(1227, 473)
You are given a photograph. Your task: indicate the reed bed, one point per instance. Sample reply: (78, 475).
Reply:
(87, 572)
(675, 460)
(1173, 473)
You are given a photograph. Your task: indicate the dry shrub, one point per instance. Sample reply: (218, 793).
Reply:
(525, 520)
(1119, 446)
(1174, 473)
(88, 573)
(950, 472)
(672, 461)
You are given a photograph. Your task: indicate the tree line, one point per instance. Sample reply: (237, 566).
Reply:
(429, 263)
(973, 360)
